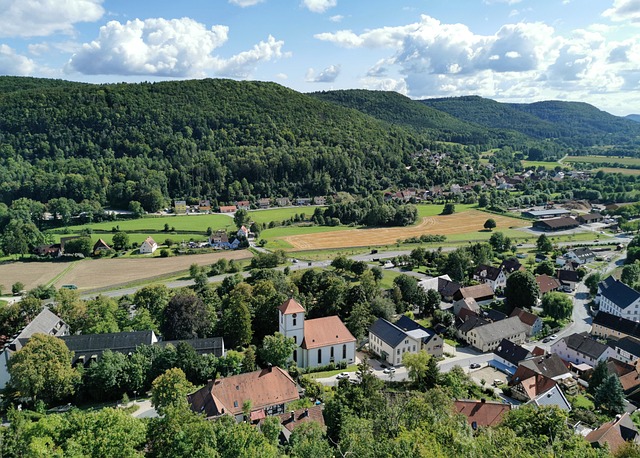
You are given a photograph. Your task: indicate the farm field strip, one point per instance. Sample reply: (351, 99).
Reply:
(198, 223)
(619, 170)
(470, 221)
(603, 159)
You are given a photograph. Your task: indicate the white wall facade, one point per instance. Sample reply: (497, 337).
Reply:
(632, 312)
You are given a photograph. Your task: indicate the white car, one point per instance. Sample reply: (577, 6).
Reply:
(553, 337)
(389, 370)
(342, 375)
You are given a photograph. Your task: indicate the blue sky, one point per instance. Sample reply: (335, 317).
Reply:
(507, 50)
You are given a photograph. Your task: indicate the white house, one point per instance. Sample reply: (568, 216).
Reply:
(493, 276)
(46, 322)
(243, 232)
(148, 246)
(392, 340)
(580, 349)
(581, 255)
(320, 341)
(618, 299)
(626, 349)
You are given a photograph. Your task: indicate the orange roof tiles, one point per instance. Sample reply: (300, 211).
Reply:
(291, 306)
(321, 332)
(481, 412)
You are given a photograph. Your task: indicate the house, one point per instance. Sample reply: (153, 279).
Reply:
(540, 257)
(467, 304)
(568, 279)
(481, 414)
(99, 247)
(319, 341)
(392, 340)
(626, 349)
(265, 202)
(467, 323)
(611, 326)
(556, 224)
(548, 213)
(283, 201)
(552, 397)
(228, 208)
(220, 239)
(510, 266)
(618, 299)
(448, 288)
(179, 206)
(243, 232)
(45, 322)
(532, 322)
(580, 348)
(148, 246)
(532, 387)
(303, 201)
(243, 205)
(204, 205)
(320, 200)
(291, 420)
(550, 366)
(487, 337)
(267, 391)
(582, 255)
(614, 434)
(590, 218)
(87, 348)
(480, 293)
(508, 355)
(51, 250)
(547, 284)
(493, 276)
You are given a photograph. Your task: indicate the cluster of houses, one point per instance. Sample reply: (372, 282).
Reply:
(205, 206)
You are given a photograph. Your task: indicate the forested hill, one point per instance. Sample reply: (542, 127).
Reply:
(573, 124)
(633, 117)
(212, 138)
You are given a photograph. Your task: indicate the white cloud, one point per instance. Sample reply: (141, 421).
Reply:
(245, 3)
(624, 10)
(14, 64)
(282, 76)
(328, 75)
(161, 47)
(30, 18)
(319, 6)
(336, 18)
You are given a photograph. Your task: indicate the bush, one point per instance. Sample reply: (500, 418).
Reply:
(164, 253)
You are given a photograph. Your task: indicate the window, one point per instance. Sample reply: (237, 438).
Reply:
(294, 316)
(414, 348)
(344, 351)
(295, 355)
(295, 339)
(319, 355)
(331, 352)
(398, 351)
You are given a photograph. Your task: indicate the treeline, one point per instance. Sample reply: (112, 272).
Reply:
(371, 211)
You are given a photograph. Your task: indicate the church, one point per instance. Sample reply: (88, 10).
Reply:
(319, 341)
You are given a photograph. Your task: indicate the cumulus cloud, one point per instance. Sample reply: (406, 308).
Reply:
(30, 18)
(161, 47)
(319, 6)
(328, 75)
(336, 18)
(245, 3)
(624, 10)
(12, 63)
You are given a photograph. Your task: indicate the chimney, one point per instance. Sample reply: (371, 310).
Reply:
(483, 400)
(306, 412)
(269, 367)
(293, 416)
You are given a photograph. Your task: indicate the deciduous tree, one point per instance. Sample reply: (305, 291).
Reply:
(522, 290)
(277, 349)
(170, 390)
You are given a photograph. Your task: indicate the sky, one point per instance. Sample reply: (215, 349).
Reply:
(508, 50)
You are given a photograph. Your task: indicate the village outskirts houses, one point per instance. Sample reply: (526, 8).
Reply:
(392, 340)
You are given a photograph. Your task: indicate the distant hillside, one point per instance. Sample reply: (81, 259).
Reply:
(633, 117)
(573, 124)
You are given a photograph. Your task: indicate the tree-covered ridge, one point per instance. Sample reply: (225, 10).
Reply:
(573, 124)
(217, 138)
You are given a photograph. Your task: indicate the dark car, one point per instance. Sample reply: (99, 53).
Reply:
(546, 339)
(474, 366)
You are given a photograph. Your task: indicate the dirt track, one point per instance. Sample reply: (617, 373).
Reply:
(100, 273)
(458, 223)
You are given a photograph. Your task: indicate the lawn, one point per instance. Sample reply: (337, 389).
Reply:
(582, 401)
(280, 214)
(138, 238)
(546, 165)
(619, 170)
(426, 210)
(388, 277)
(325, 374)
(603, 159)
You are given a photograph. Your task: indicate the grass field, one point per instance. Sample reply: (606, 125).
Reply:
(546, 165)
(603, 159)
(468, 222)
(621, 170)
(198, 223)
(138, 238)
(280, 214)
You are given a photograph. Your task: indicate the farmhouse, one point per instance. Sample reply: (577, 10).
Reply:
(493, 276)
(610, 326)
(148, 246)
(480, 293)
(549, 213)
(228, 208)
(618, 299)
(46, 322)
(626, 349)
(556, 224)
(582, 255)
(319, 341)
(283, 201)
(531, 321)
(319, 200)
(243, 205)
(467, 303)
(568, 279)
(392, 340)
(99, 247)
(590, 218)
(510, 266)
(204, 205)
(267, 391)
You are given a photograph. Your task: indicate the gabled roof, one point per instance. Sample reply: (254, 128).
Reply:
(617, 323)
(468, 303)
(387, 332)
(96, 344)
(500, 329)
(470, 323)
(552, 397)
(550, 366)
(291, 306)
(301, 416)
(583, 253)
(511, 352)
(547, 283)
(477, 291)
(482, 413)
(45, 322)
(629, 344)
(527, 318)
(489, 272)
(415, 329)
(584, 344)
(150, 241)
(554, 223)
(208, 345)
(617, 292)
(264, 388)
(614, 433)
(433, 283)
(565, 275)
(321, 332)
(447, 287)
(101, 244)
(536, 385)
(510, 265)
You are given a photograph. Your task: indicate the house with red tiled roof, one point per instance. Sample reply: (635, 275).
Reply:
(547, 283)
(291, 420)
(228, 208)
(481, 414)
(148, 246)
(614, 433)
(268, 391)
(319, 341)
(532, 322)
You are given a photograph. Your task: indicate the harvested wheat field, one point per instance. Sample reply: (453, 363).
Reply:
(93, 274)
(467, 222)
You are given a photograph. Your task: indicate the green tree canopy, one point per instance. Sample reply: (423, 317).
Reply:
(170, 390)
(522, 290)
(557, 305)
(490, 224)
(544, 244)
(277, 349)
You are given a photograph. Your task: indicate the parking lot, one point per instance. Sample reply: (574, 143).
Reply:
(488, 374)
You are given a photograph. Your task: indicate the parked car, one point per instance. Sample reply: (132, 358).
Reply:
(553, 337)
(497, 382)
(474, 366)
(342, 375)
(389, 370)
(384, 366)
(546, 339)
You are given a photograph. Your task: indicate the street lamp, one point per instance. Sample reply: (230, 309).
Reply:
(135, 394)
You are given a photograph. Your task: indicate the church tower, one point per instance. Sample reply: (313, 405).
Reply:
(291, 324)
